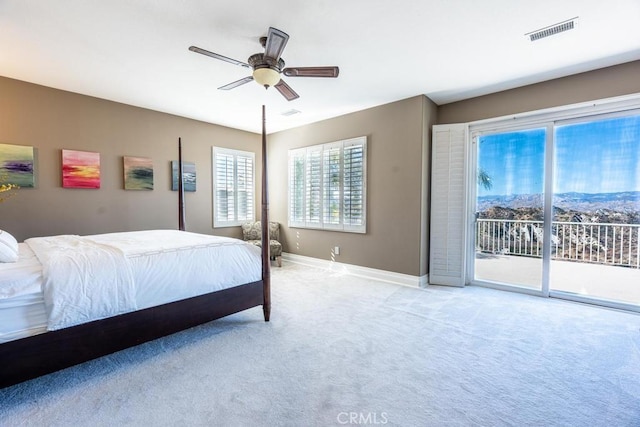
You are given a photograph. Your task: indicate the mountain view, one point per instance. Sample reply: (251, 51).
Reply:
(595, 173)
(614, 208)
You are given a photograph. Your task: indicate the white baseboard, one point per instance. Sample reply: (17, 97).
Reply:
(356, 270)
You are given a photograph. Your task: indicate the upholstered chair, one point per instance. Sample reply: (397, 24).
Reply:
(252, 233)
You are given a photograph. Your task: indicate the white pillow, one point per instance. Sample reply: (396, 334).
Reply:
(8, 247)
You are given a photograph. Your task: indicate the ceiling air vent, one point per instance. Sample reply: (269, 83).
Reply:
(552, 29)
(290, 112)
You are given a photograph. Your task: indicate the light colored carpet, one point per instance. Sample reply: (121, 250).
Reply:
(342, 350)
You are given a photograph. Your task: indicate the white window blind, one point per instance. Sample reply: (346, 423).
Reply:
(297, 193)
(354, 185)
(327, 186)
(331, 182)
(313, 186)
(233, 187)
(448, 205)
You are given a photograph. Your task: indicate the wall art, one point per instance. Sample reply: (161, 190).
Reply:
(188, 173)
(138, 173)
(80, 169)
(16, 165)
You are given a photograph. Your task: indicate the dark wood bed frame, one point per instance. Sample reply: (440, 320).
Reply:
(31, 357)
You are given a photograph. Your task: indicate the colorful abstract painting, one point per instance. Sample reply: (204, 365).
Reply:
(16, 165)
(138, 173)
(188, 173)
(80, 169)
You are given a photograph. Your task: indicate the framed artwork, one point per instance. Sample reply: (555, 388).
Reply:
(16, 165)
(138, 173)
(80, 169)
(188, 173)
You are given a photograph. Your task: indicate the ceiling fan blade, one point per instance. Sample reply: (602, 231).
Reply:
(286, 91)
(236, 83)
(311, 71)
(276, 41)
(216, 56)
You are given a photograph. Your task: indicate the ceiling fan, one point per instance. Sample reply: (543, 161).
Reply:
(268, 66)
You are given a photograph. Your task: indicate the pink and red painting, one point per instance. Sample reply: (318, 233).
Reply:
(80, 169)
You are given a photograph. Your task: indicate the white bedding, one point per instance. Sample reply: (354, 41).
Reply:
(22, 311)
(165, 266)
(22, 316)
(176, 264)
(83, 280)
(21, 277)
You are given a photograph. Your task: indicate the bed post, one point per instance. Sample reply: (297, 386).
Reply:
(266, 259)
(181, 215)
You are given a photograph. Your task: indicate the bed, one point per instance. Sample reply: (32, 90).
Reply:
(40, 338)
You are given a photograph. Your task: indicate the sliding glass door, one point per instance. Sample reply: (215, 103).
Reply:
(509, 212)
(557, 208)
(596, 200)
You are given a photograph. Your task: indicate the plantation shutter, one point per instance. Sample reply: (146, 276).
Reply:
(353, 186)
(297, 190)
(225, 199)
(244, 185)
(313, 187)
(331, 182)
(447, 261)
(233, 187)
(327, 186)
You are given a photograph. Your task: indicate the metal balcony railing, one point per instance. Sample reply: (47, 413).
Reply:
(598, 243)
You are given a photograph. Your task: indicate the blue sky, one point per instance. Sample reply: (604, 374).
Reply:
(594, 157)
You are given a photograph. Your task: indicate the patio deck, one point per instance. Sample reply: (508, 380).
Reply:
(615, 283)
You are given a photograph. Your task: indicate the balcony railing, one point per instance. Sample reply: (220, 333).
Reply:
(612, 244)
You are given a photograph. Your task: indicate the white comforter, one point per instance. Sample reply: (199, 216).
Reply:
(94, 277)
(83, 280)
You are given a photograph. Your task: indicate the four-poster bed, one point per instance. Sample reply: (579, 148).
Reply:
(30, 357)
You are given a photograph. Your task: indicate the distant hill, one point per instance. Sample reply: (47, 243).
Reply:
(625, 202)
(511, 202)
(618, 208)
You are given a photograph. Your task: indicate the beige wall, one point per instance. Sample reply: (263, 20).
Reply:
(429, 115)
(396, 150)
(607, 82)
(398, 164)
(51, 120)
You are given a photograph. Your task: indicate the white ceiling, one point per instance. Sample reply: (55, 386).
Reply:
(136, 51)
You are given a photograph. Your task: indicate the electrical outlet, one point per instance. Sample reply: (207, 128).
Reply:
(336, 250)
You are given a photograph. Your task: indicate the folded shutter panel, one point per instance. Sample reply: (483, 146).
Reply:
(447, 260)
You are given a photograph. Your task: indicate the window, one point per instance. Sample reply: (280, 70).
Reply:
(233, 187)
(327, 186)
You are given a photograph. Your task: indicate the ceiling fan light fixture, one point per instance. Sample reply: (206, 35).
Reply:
(268, 66)
(266, 76)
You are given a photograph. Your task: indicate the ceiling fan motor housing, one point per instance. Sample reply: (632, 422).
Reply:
(259, 60)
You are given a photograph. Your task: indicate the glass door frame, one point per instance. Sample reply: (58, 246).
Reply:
(555, 293)
(474, 134)
(620, 106)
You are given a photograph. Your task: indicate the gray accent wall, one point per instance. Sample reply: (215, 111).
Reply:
(51, 120)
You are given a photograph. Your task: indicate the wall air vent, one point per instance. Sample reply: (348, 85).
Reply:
(551, 30)
(290, 112)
